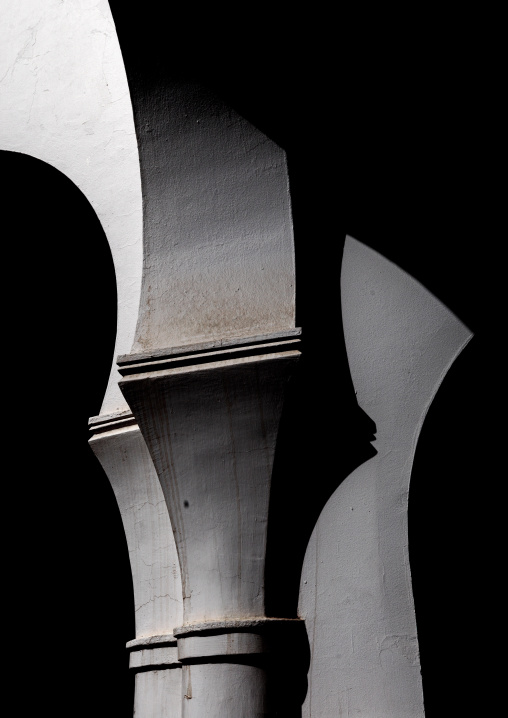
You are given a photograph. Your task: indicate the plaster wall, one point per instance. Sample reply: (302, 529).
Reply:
(65, 100)
(355, 593)
(218, 234)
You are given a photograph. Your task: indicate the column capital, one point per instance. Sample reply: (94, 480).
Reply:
(210, 416)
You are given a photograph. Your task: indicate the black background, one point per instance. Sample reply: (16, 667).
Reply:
(392, 132)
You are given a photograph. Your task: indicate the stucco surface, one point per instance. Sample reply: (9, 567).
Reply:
(355, 592)
(65, 100)
(218, 234)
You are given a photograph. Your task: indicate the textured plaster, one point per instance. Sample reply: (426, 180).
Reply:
(219, 256)
(65, 100)
(355, 593)
(211, 432)
(219, 264)
(152, 552)
(158, 694)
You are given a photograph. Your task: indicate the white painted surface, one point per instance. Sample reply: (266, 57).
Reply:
(223, 690)
(355, 593)
(211, 431)
(152, 551)
(219, 256)
(219, 263)
(65, 100)
(158, 694)
(225, 644)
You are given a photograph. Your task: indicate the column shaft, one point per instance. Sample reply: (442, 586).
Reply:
(210, 418)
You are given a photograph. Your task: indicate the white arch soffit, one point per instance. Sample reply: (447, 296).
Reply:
(65, 100)
(400, 342)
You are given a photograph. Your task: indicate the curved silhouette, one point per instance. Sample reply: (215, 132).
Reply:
(67, 565)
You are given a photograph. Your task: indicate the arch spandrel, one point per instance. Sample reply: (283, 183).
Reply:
(65, 100)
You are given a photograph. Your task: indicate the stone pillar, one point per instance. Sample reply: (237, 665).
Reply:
(214, 347)
(210, 415)
(242, 668)
(121, 450)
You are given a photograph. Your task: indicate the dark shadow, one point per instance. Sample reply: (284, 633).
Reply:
(324, 435)
(452, 541)
(396, 150)
(67, 564)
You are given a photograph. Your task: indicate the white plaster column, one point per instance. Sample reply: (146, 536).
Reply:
(218, 272)
(66, 101)
(218, 268)
(119, 446)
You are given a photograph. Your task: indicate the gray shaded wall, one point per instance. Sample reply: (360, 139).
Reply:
(356, 594)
